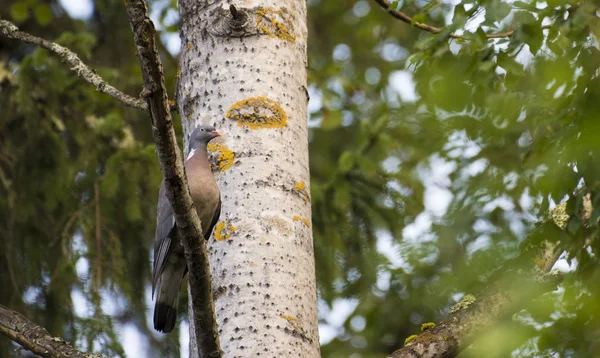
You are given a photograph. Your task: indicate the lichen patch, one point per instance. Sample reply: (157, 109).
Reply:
(221, 158)
(278, 223)
(258, 113)
(300, 189)
(463, 304)
(410, 339)
(223, 231)
(291, 319)
(275, 23)
(300, 218)
(426, 326)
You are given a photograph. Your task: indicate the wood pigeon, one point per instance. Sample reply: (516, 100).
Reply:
(169, 261)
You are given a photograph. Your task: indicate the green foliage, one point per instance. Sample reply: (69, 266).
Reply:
(511, 126)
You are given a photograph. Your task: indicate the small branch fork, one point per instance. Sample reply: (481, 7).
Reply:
(67, 56)
(387, 6)
(171, 163)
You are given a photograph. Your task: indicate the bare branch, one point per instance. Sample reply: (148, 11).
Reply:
(35, 338)
(67, 56)
(387, 6)
(171, 164)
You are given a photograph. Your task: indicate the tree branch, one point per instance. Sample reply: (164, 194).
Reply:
(35, 338)
(171, 164)
(387, 6)
(472, 315)
(67, 56)
(526, 278)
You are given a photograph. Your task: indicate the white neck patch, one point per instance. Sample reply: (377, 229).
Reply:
(191, 154)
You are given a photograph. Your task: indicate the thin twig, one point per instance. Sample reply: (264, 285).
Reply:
(387, 6)
(9, 30)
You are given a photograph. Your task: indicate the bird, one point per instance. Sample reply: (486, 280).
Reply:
(170, 266)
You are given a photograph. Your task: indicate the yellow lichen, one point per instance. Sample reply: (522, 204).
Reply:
(291, 319)
(559, 215)
(304, 220)
(300, 189)
(258, 112)
(178, 74)
(409, 339)
(189, 47)
(223, 231)
(299, 186)
(426, 326)
(463, 304)
(219, 236)
(275, 23)
(224, 157)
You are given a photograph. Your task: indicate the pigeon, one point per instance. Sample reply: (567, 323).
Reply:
(170, 265)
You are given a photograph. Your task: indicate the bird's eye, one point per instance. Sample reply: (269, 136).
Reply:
(202, 129)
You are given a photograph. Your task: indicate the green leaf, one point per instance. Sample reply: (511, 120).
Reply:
(43, 14)
(496, 11)
(533, 36)
(346, 161)
(19, 12)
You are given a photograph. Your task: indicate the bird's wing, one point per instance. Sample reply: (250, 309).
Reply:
(215, 218)
(165, 223)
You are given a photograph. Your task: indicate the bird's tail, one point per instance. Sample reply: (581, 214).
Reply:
(165, 310)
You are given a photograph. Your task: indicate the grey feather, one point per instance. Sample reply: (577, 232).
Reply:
(215, 218)
(169, 261)
(165, 225)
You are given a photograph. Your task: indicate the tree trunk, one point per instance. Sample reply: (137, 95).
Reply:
(243, 69)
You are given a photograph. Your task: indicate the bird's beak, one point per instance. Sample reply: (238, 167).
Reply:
(215, 133)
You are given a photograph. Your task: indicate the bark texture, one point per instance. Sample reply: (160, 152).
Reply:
(243, 69)
(178, 193)
(35, 338)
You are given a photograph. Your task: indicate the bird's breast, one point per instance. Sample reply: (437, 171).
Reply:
(203, 188)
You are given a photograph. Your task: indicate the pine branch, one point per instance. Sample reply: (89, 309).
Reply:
(35, 338)
(171, 164)
(67, 56)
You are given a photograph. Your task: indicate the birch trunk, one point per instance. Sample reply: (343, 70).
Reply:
(243, 69)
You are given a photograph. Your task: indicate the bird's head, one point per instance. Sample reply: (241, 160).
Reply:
(201, 136)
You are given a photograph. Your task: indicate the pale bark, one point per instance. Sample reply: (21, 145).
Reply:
(244, 70)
